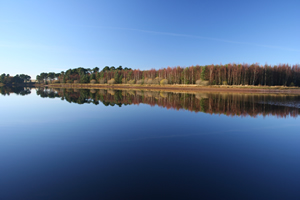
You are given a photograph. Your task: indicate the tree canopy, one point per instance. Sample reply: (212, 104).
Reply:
(6, 79)
(229, 74)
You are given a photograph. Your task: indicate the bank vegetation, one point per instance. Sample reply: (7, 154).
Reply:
(209, 75)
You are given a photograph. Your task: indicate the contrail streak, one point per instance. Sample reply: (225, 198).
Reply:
(200, 37)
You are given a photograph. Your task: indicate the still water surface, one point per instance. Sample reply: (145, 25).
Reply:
(107, 144)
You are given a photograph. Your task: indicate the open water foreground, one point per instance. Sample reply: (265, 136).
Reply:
(127, 144)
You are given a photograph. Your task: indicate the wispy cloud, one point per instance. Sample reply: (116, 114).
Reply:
(201, 37)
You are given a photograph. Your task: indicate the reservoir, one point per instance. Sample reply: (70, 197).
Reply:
(143, 144)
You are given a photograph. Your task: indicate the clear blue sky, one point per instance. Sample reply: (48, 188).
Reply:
(55, 35)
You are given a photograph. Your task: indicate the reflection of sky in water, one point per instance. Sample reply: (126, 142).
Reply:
(52, 148)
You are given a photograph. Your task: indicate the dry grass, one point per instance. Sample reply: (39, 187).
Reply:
(177, 86)
(164, 82)
(111, 81)
(254, 87)
(139, 82)
(202, 83)
(93, 81)
(131, 82)
(101, 81)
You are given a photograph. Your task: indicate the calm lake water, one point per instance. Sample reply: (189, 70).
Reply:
(106, 144)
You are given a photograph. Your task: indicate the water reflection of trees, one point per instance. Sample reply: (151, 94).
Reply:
(17, 90)
(213, 103)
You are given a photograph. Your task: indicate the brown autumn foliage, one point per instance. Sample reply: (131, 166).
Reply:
(229, 74)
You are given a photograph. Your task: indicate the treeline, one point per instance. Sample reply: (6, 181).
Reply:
(213, 103)
(229, 74)
(79, 75)
(6, 79)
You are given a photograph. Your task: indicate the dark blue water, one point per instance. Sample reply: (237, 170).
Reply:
(52, 149)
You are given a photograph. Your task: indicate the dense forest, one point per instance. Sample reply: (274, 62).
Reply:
(213, 103)
(229, 74)
(6, 79)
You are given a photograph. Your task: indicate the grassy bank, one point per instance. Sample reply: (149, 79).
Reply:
(187, 88)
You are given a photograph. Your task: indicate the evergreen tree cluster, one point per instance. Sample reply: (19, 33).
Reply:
(6, 79)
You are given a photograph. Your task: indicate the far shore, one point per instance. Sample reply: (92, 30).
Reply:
(186, 88)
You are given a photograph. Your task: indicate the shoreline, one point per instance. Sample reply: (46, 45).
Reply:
(187, 88)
